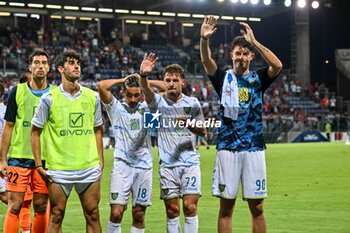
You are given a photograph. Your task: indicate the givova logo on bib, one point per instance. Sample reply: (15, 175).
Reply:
(28, 123)
(76, 121)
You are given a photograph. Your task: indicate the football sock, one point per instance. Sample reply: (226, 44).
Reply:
(40, 224)
(136, 230)
(24, 216)
(191, 224)
(11, 223)
(173, 225)
(113, 227)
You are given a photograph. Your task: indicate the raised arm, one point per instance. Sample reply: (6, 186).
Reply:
(146, 68)
(208, 28)
(104, 89)
(275, 65)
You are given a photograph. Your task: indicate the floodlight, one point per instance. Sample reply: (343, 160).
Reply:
(71, 8)
(301, 3)
(227, 17)
(137, 12)
(315, 4)
(131, 21)
(35, 5)
(159, 23)
(16, 4)
(187, 24)
(267, 2)
(53, 6)
(153, 13)
(88, 8)
(121, 11)
(35, 16)
(287, 3)
(171, 14)
(106, 10)
(20, 15)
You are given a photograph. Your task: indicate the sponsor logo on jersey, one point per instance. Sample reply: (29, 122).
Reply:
(243, 94)
(76, 121)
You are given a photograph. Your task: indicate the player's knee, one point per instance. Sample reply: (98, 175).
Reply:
(258, 210)
(190, 209)
(92, 215)
(56, 216)
(138, 217)
(116, 215)
(40, 206)
(15, 208)
(173, 211)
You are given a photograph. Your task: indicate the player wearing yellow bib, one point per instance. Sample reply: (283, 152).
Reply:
(72, 115)
(20, 166)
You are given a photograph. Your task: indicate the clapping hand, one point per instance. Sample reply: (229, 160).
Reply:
(248, 34)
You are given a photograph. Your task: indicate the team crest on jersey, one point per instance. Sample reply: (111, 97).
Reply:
(243, 94)
(165, 191)
(141, 110)
(134, 124)
(252, 81)
(222, 187)
(187, 110)
(114, 196)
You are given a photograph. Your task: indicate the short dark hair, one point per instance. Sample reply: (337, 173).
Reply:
(241, 41)
(38, 52)
(62, 58)
(174, 69)
(131, 81)
(24, 77)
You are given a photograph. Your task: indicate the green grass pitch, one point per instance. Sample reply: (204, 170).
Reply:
(308, 191)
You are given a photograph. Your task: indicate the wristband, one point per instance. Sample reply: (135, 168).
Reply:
(39, 166)
(143, 75)
(204, 38)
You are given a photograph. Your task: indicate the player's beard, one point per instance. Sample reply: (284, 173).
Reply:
(40, 76)
(240, 67)
(71, 77)
(132, 104)
(173, 94)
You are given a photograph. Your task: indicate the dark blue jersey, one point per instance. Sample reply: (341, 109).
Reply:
(245, 133)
